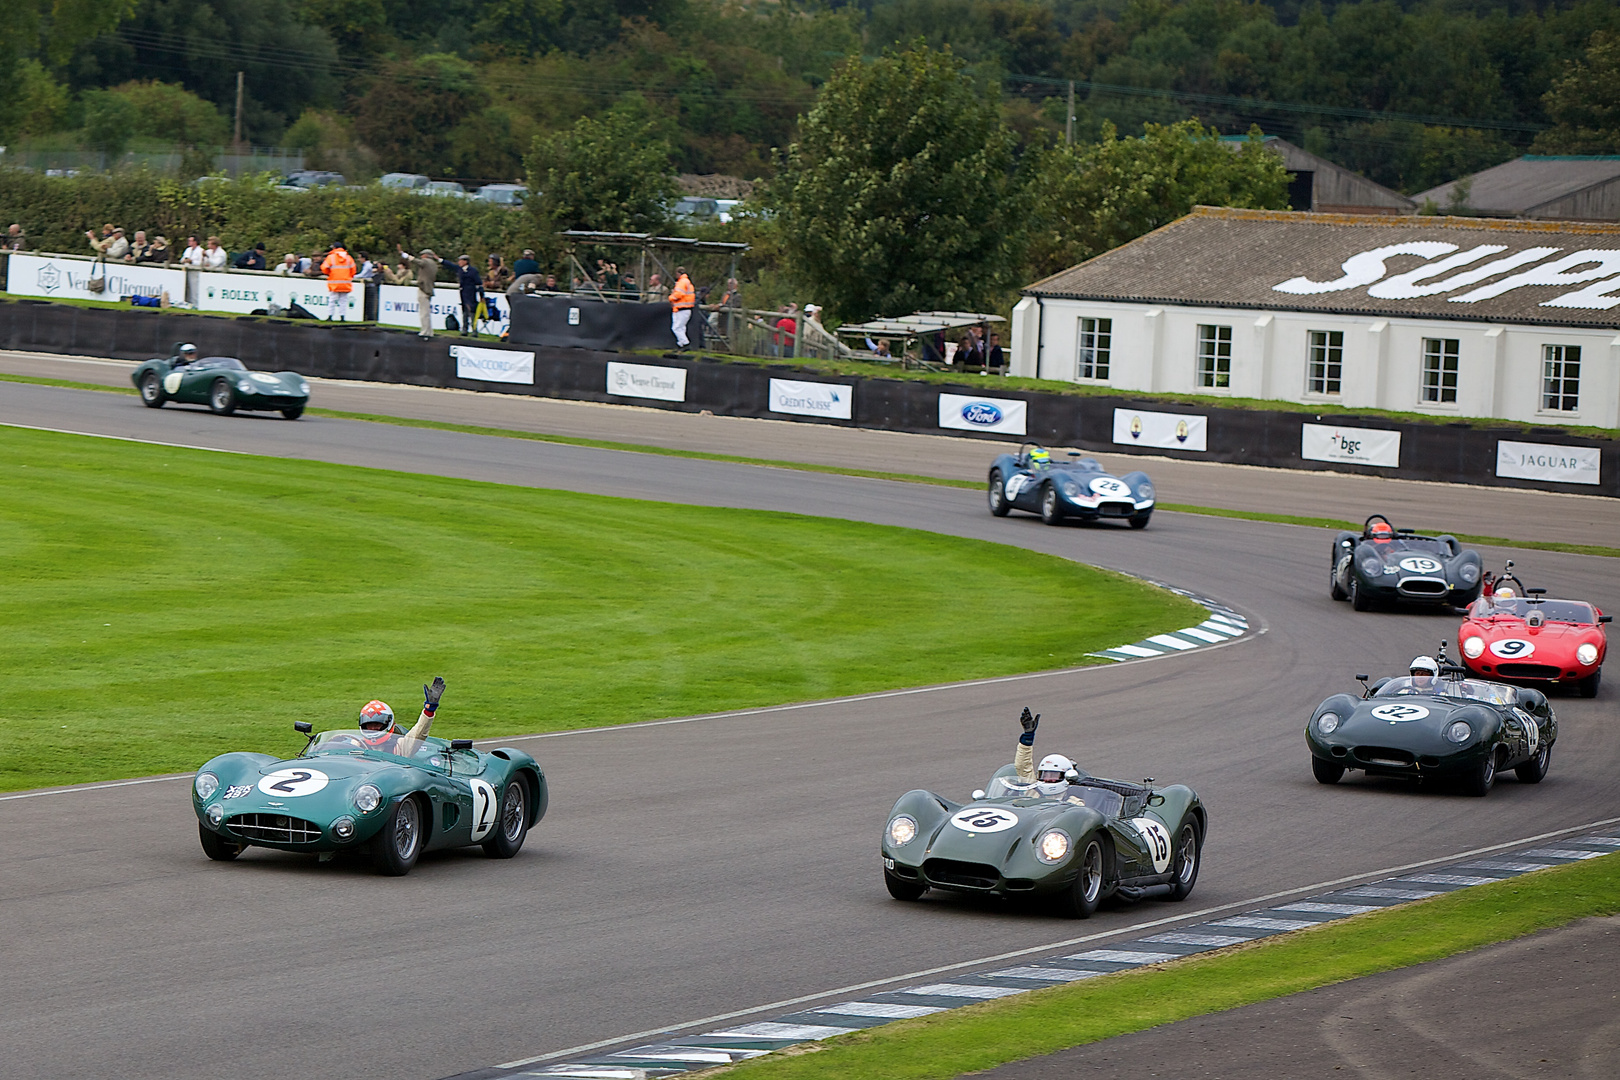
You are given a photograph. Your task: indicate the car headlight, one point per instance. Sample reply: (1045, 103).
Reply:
(1070, 488)
(1372, 566)
(343, 827)
(1458, 731)
(1469, 573)
(303, 387)
(902, 830)
(1473, 646)
(367, 798)
(206, 784)
(1053, 846)
(245, 386)
(1144, 490)
(1327, 723)
(216, 814)
(1586, 654)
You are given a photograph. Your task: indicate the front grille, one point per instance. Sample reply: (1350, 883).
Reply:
(1387, 756)
(274, 828)
(1528, 671)
(1424, 586)
(961, 875)
(1115, 509)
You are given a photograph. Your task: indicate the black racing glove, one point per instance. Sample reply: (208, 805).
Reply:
(432, 694)
(1030, 724)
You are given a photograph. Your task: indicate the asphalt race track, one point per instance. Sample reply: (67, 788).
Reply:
(696, 869)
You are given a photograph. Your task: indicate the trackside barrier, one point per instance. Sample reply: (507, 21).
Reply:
(1452, 453)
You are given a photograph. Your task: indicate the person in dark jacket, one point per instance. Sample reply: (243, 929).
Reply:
(256, 259)
(471, 285)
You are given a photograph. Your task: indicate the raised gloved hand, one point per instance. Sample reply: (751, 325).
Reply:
(432, 694)
(1030, 723)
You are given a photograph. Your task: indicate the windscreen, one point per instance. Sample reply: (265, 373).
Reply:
(1570, 611)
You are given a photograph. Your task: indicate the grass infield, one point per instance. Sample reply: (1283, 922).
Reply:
(164, 605)
(838, 470)
(982, 1036)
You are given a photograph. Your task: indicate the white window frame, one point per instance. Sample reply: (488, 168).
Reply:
(1214, 349)
(1093, 349)
(1442, 359)
(1332, 361)
(1557, 384)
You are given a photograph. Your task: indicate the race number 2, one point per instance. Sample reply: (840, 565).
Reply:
(484, 807)
(292, 783)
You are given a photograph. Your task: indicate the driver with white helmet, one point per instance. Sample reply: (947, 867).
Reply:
(1051, 776)
(379, 732)
(1424, 670)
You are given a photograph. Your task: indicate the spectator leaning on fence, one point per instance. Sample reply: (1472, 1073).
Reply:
(215, 257)
(253, 259)
(15, 240)
(786, 326)
(112, 244)
(289, 265)
(656, 292)
(338, 266)
(470, 286)
(497, 278)
(426, 269)
(157, 251)
(528, 264)
(138, 248)
(192, 257)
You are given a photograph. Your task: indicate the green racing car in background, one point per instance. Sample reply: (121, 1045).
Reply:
(223, 383)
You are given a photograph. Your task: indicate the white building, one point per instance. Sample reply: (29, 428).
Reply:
(1446, 316)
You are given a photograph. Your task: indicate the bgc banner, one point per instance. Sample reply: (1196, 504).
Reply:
(1545, 461)
(811, 398)
(1360, 446)
(493, 365)
(1164, 431)
(1004, 415)
(646, 381)
(59, 278)
(396, 306)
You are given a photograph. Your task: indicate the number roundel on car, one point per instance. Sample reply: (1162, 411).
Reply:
(1400, 713)
(1513, 648)
(1107, 485)
(1420, 564)
(485, 809)
(291, 783)
(1157, 838)
(171, 383)
(1015, 483)
(978, 819)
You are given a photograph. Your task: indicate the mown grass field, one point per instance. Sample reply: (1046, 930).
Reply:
(163, 605)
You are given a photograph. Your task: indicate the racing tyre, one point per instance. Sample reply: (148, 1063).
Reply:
(511, 824)
(1082, 897)
(1051, 509)
(1139, 521)
(901, 889)
(400, 841)
(1358, 595)
(221, 398)
(1335, 589)
(1478, 780)
(293, 413)
(215, 846)
(1589, 685)
(998, 494)
(1534, 770)
(152, 391)
(1188, 856)
(1326, 772)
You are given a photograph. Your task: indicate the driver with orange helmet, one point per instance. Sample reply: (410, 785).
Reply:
(379, 732)
(1381, 532)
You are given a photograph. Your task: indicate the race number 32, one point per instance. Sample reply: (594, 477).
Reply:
(1400, 714)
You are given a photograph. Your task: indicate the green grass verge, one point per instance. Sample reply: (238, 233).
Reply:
(838, 470)
(163, 605)
(982, 1036)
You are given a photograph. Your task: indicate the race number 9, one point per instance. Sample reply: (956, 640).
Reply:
(1513, 648)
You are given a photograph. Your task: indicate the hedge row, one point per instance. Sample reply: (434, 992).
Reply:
(55, 212)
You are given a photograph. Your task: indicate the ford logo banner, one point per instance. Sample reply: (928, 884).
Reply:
(981, 414)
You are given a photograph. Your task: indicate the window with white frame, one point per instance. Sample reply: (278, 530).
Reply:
(1325, 371)
(1095, 343)
(1439, 371)
(1215, 356)
(1560, 378)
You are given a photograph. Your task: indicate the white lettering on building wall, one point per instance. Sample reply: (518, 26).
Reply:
(1597, 269)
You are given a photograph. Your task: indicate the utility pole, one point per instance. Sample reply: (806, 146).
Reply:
(1068, 121)
(239, 109)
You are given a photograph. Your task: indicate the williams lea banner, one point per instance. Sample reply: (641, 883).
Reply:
(493, 365)
(1164, 431)
(811, 398)
(1004, 415)
(646, 381)
(1356, 445)
(1544, 461)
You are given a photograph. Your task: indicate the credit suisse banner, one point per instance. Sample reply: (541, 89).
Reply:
(249, 292)
(1545, 461)
(811, 398)
(1164, 431)
(646, 381)
(396, 306)
(1005, 415)
(1360, 446)
(493, 365)
(57, 278)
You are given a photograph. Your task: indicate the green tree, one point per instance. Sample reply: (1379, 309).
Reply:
(1584, 105)
(1089, 199)
(407, 115)
(613, 174)
(899, 194)
(170, 112)
(109, 121)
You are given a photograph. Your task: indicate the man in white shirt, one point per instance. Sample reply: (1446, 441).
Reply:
(215, 257)
(289, 265)
(192, 257)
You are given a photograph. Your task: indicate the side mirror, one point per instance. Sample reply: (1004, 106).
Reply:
(1362, 678)
(303, 727)
(1155, 799)
(461, 744)
(978, 793)
(1536, 592)
(1509, 565)
(1605, 618)
(1071, 776)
